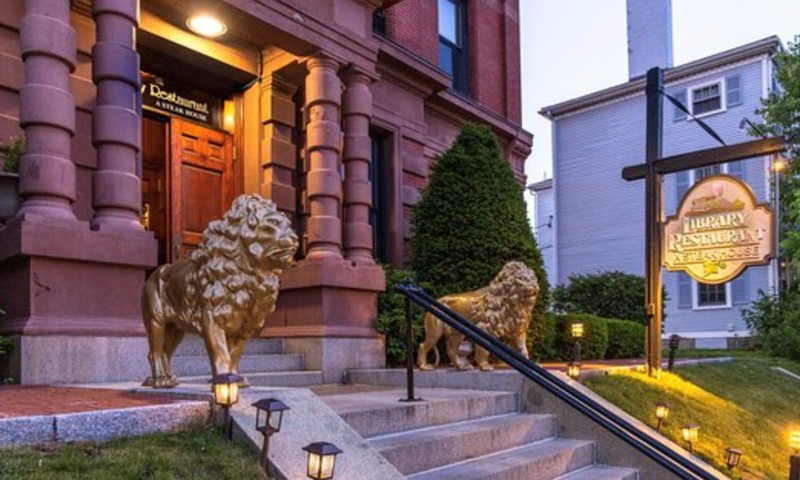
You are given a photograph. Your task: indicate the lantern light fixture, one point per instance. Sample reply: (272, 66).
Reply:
(577, 330)
(732, 457)
(226, 394)
(321, 460)
(794, 459)
(206, 25)
(689, 434)
(268, 423)
(662, 412)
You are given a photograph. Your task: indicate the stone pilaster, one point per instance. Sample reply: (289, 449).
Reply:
(356, 114)
(278, 151)
(116, 189)
(324, 183)
(47, 110)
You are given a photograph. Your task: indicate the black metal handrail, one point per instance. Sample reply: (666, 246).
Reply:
(623, 429)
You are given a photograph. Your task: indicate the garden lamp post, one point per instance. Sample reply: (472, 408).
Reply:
(270, 423)
(674, 343)
(321, 460)
(732, 457)
(689, 433)
(662, 412)
(577, 333)
(226, 394)
(794, 459)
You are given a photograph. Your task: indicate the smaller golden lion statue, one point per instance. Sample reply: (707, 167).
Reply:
(503, 308)
(223, 291)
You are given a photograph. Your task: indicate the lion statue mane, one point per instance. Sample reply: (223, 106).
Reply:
(503, 308)
(223, 291)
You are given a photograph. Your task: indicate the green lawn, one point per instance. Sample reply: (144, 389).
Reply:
(742, 404)
(192, 455)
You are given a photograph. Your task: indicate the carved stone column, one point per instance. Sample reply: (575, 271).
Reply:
(116, 189)
(324, 183)
(356, 114)
(278, 151)
(47, 110)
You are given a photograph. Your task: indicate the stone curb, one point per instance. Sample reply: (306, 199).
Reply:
(102, 425)
(678, 363)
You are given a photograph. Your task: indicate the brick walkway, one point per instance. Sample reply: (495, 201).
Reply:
(21, 401)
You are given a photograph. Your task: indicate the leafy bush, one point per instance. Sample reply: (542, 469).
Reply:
(612, 294)
(560, 346)
(625, 339)
(12, 153)
(392, 317)
(776, 323)
(471, 220)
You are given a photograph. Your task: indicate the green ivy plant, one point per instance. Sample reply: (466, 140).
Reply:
(12, 153)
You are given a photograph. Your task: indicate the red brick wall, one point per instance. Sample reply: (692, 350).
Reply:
(493, 47)
(414, 24)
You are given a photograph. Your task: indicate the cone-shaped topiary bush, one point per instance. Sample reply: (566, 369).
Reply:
(471, 220)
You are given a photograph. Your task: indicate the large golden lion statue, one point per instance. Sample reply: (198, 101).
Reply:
(223, 291)
(503, 308)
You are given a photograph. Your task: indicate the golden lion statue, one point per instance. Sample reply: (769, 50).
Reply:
(223, 291)
(503, 309)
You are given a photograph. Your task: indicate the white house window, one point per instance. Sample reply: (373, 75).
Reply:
(712, 295)
(707, 99)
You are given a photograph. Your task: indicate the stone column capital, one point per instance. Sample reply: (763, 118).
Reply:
(352, 74)
(125, 8)
(322, 59)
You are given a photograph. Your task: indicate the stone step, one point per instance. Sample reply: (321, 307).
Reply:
(380, 413)
(295, 379)
(193, 345)
(424, 449)
(602, 472)
(545, 460)
(199, 364)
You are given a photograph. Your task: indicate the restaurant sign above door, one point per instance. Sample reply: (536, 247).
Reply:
(719, 231)
(171, 98)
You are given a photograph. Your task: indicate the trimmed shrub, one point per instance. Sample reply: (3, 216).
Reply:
(471, 220)
(625, 339)
(605, 294)
(776, 323)
(593, 344)
(392, 317)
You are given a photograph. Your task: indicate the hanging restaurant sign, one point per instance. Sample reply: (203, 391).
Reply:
(194, 105)
(719, 231)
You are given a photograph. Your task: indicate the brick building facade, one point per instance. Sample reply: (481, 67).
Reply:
(139, 132)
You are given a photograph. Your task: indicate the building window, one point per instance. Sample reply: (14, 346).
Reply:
(452, 42)
(379, 177)
(379, 23)
(701, 173)
(707, 99)
(712, 295)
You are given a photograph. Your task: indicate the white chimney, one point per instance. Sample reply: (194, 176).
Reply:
(649, 35)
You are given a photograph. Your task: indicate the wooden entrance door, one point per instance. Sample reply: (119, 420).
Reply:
(201, 182)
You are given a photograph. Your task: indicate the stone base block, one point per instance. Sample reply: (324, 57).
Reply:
(38, 360)
(333, 356)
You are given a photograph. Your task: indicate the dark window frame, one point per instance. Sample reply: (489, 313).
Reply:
(456, 53)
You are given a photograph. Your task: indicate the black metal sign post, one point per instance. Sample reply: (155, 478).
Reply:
(652, 218)
(652, 172)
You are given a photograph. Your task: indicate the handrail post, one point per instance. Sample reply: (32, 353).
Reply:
(407, 283)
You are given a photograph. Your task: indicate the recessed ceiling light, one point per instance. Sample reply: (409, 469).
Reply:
(206, 25)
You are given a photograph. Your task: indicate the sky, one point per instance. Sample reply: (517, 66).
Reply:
(574, 47)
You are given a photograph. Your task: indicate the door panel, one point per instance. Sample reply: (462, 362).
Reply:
(154, 181)
(201, 182)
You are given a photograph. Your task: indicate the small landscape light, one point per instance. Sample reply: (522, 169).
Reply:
(780, 163)
(662, 412)
(689, 433)
(794, 460)
(270, 423)
(574, 370)
(226, 394)
(732, 457)
(321, 460)
(577, 330)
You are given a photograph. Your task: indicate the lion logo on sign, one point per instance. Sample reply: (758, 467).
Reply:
(503, 308)
(223, 292)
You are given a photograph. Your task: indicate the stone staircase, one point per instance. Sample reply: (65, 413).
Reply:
(467, 434)
(264, 363)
